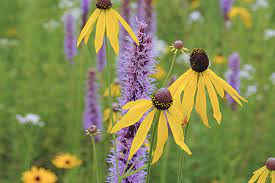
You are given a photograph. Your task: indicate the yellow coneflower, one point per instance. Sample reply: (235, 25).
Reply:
(262, 174)
(160, 73)
(107, 20)
(66, 161)
(178, 46)
(38, 175)
(115, 89)
(218, 59)
(195, 4)
(161, 101)
(243, 13)
(196, 78)
(116, 116)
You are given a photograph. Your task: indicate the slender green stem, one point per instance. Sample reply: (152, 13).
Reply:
(165, 161)
(133, 172)
(182, 157)
(154, 132)
(109, 68)
(171, 69)
(95, 159)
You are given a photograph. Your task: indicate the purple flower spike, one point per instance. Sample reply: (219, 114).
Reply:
(85, 10)
(233, 75)
(101, 58)
(225, 6)
(92, 114)
(150, 16)
(138, 63)
(70, 39)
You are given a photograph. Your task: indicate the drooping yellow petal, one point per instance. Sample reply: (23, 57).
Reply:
(126, 26)
(263, 177)
(189, 95)
(177, 132)
(213, 98)
(131, 117)
(116, 25)
(111, 23)
(176, 113)
(100, 30)
(180, 82)
(132, 104)
(257, 174)
(217, 85)
(142, 133)
(201, 101)
(88, 28)
(229, 89)
(162, 137)
(272, 176)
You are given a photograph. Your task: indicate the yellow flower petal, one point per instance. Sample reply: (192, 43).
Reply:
(201, 101)
(177, 133)
(272, 176)
(111, 23)
(132, 104)
(162, 137)
(189, 94)
(217, 85)
(263, 177)
(229, 89)
(131, 117)
(213, 98)
(257, 174)
(142, 133)
(88, 28)
(126, 26)
(180, 82)
(100, 30)
(176, 113)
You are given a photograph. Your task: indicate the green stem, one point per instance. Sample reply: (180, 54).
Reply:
(109, 68)
(171, 69)
(156, 119)
(182, 157)
(165, 161)
(132, 173)
(95, 159)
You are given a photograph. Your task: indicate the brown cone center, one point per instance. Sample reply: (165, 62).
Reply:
(199, 61)
(162, 99)
(270, 164)
(104, 4)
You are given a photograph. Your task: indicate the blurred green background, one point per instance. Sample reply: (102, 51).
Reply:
(36, 78)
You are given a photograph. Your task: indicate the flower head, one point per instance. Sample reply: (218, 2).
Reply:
(262, 174)
(115, 89)
(107, 20)
(92, 131)
(243, 13)
(66, 161)
(178, 46)
(233, 76)
(70, 39)
(195, 79)
(116, 116)
(161, 101)
(225, 6)
(219, 59)
(92, 113)
(38, 175)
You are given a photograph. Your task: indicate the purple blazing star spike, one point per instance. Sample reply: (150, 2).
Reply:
(150, 16)
(92, 114)
(233, 75)
(140, 9)
(125, 13)
(138, 64)
(225, 6)
(85, 5)
(70, 39)
(101, 58)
